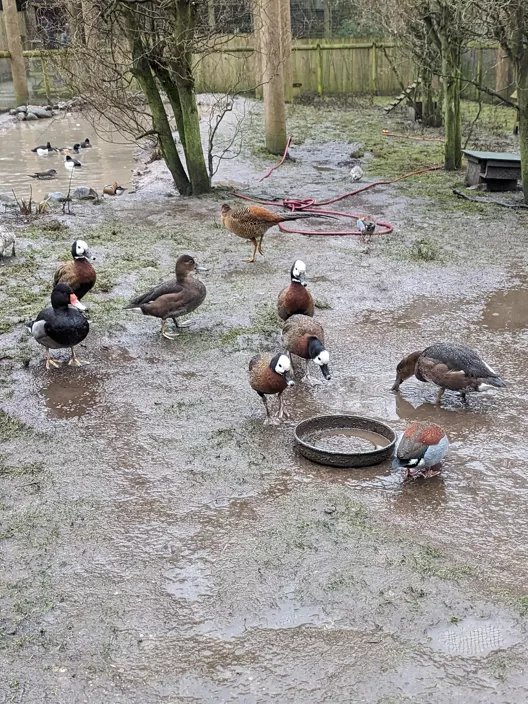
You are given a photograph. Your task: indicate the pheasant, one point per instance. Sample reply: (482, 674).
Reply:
(252, 223)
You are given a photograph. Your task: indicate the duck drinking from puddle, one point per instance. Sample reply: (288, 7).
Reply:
(420, 450)
(60, 326)
(304, 337)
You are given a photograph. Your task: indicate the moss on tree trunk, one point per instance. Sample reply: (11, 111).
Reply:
(521, 78)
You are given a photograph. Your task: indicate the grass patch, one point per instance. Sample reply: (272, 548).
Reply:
(430, 562)
(11, 428)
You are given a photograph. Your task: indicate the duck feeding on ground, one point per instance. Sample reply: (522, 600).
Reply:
(303, 336)
(420, 450)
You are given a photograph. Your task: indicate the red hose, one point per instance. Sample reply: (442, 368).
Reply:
(310, 205)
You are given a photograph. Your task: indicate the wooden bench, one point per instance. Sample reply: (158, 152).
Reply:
(500, 171)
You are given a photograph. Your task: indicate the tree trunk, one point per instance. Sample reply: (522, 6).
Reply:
(521, 78)
(171, 90)
(14, 44)
(451, 77)
(286, 50)
(183, 77)
(274, 108)
(160, 122)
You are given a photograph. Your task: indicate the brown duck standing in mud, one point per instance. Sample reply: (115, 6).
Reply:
(173, 298)
(449, 366)
(79, 274)
(269, 375)
(304, 337)
(252, 222)
(295, 298)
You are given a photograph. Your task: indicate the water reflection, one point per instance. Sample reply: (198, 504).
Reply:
(71, 394)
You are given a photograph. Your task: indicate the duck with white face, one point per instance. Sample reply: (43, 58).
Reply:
(295, 299)
(270, 375)
(78, 273)
(304, 337)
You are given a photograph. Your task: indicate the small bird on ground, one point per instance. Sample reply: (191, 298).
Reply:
(252, 222)
(304, 337)
(71, 163)
(114, 189)
(295, 298)
(367, 227)
(173, 298)
(268, 375)
(60, 326)
(420, 450)
(449, 366)
(79, 274)
(44, 175)
(42, 150)
(85, 144)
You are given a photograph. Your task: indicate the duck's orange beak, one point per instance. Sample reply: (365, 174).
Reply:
(75, 302)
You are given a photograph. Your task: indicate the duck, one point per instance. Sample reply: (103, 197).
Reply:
(85, 144)
(42, 150)
(79, 273)
(71, 163)
(295, 298)
(44, 175)
(420, 450)
(70, 150)
(268, 375)
(114, 189)
(173, 298)
(252, 222)
(449, 366)
(303, 336)
(60, 326)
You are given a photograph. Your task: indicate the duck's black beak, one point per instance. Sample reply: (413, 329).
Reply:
(301, 279)
(396, 384)
(325, 372)
(288, 378)
(88, 254)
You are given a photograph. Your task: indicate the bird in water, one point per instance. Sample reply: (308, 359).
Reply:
(85, 144)
(114, 189)
(78, 273)
(60, 326)
(295, 298)
(71, 163)
(44, 149)
(420, 450)
(252, 222)
(449, 366)
(173, 298)
(303, 336)
(44, 175)
(269, 375)
(70, 150)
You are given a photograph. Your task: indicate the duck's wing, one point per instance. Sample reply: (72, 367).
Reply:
(64, 274)
(457, 359)
(169, 305)
(166, 288)
(411, 449)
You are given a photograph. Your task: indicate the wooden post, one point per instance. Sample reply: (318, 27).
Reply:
(327, 20)
(373, 61)
(14, 44)
(286, 50)
(320, 88)
(273, 77)
(502, 80)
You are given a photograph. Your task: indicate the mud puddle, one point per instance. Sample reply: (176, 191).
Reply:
(110, 158)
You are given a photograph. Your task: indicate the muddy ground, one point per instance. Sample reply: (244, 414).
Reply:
(159, 544)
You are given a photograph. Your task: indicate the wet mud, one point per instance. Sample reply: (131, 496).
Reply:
(160, 544)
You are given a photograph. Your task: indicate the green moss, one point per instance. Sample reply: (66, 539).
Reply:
(430, 562)
(10, 427)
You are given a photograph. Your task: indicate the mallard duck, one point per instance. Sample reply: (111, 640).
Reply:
(304, 337)
(114, 189)
(71, 163)
(85, 144)
(42, 150)
(44, 175)
(173, 298)
(60, 326)
(420, 450)
(295, 298)
(252, 223)
(270, 374)
(70, 150)
(79, 274)
(449, 366)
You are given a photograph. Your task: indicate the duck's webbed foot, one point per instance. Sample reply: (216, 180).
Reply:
(75, 361)
(50, 362)
(164, 332)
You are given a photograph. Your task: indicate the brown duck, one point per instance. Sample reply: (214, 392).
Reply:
(270, 375)
(173, 298)
(79, 274)
(304, 337)
(295, 298)
(449, 366)
(252, 222)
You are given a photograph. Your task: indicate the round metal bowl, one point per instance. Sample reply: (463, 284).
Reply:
(343, 459)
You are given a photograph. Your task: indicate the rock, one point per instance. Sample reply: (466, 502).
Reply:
(31, 116)
(85, 193)
(358, 152)
(20, 116)
(21, 108)
(13, 111)
(39, 112)
(356, 173)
